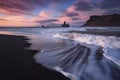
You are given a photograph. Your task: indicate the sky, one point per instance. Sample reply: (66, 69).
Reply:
(32, 13)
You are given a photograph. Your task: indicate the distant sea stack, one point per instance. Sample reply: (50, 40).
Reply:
(65, 24)
(104, 20)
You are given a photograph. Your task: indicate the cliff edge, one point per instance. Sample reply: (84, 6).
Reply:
(104, 20)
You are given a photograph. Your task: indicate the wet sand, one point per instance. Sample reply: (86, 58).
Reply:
(17, 63)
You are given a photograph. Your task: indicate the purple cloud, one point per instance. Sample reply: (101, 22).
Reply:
(16, 7)
(112, 11)
(83, 6)
(47, 21)
(107, 4)
(19, 6)
(75, 19)
(72, 14)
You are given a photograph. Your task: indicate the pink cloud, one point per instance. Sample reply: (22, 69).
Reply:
(45, 14)
(18, 7)
(8, 20)
(75, 16)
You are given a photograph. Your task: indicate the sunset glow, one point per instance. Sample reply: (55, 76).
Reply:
(18, 13)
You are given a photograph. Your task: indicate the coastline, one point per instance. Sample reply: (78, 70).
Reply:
(98, 32)
(17, 63)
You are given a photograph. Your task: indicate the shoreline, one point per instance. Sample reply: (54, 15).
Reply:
(17, 63)
(93, 32)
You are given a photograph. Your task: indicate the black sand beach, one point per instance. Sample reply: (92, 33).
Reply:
(17, 63)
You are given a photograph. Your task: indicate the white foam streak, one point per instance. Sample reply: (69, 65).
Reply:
(113, 55)
(75, 62)
(110, 44)
(104, 41)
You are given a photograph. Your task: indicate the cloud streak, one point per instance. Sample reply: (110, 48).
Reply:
(17, 7)
(54, 11)
(83, 6)
(108, 4)
(72, 14)
(76, 19)
(47, 21)
(3, 20)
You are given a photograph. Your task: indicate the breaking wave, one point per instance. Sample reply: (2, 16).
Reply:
(110, 44)
(104, 41)
(88, 58)
(77, 56)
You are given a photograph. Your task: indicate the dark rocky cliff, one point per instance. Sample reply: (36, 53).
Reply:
(104, 20)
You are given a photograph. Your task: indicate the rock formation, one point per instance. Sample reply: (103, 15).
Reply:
(65, 24)
(104, 20)
(42, 26)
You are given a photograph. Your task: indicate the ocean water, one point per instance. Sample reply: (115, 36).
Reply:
(77, 56)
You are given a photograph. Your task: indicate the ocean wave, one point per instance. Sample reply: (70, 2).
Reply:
(113, 55)
(78, 56)
(110, 44)
(77, 62)
(104, 41)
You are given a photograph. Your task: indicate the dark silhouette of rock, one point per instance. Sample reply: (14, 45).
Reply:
(65, 24)
(104, 20)
(42, 26)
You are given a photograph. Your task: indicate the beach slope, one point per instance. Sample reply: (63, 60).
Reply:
(17, 63)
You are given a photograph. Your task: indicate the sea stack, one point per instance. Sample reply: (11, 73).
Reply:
(65, 24)
(104, 20)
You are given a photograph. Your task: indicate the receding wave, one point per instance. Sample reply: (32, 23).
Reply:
(86, 57)
(104, 41)
(110, 44)
(78, 62)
